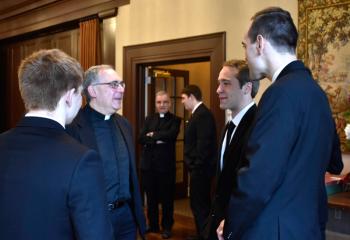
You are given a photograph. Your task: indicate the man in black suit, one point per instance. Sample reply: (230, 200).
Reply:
(99, 127)
(236, 93)
(51, 187)
(200, 154)
(158, 163)
(290, 144)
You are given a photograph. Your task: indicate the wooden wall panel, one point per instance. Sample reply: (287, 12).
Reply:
(15, 52)
(14, 108)
(27, 26)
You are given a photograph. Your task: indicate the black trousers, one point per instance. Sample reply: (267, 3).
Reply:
(200, 189)
(160, 189)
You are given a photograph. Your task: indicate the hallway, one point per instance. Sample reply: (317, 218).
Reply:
(183, 227)
(184, 224)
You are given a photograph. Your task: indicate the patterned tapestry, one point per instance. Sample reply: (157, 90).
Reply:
(324, 34)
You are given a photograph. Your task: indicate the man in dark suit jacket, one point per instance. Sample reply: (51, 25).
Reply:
(290, 144)
(158, 163)
(51, 187)
(236, 93)
(99, 127)
(200, 154)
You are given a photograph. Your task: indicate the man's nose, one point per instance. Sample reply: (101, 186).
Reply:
(120, 89)
(219, 89)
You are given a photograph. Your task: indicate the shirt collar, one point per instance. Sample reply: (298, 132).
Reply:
(41, 115)
(99, 115)
(195, 107)
(278, 71)
(237, 119)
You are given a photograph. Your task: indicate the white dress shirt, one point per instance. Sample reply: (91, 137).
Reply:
(236, 120)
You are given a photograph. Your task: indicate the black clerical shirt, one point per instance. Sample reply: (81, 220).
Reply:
(115, 158)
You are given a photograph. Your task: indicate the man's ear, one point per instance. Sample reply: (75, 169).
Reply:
(192, 97)
(260, 43)
(91, 91)
(69, 97)
(247, 88)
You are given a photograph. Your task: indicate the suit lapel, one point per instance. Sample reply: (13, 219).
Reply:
(237, 139)
(127, 138)
(124, 131)
(222, 136)
(119, 125)
(87, 137)
(192, 118)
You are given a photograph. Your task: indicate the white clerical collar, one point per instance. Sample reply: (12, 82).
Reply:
(161, 115)
(195, 107)
(107, 117)
(237, 119)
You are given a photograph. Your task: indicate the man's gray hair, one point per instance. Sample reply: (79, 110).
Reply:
(92, 76)
(161, 93)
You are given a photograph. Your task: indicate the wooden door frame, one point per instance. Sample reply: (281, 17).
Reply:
(210, 46)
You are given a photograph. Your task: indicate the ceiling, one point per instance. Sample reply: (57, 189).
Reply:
(8, 4)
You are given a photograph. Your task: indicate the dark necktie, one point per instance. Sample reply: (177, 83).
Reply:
(230, 127)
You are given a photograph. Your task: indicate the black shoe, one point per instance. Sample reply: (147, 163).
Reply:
(152, 230)
(166, 234)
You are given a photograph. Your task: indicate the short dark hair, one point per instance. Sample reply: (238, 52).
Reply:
(276, 25)
(194, 90)
(92, 76)
(243, 74)
(45, 76)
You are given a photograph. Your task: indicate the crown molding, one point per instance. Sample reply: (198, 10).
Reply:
(29, 16)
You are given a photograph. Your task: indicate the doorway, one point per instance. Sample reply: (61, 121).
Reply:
(171, 81)
(172, 54)
(210, 48)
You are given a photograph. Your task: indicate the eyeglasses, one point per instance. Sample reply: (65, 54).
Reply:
(114, 84)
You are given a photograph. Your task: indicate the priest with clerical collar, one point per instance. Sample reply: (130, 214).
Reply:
(98, 126)
(158, 164)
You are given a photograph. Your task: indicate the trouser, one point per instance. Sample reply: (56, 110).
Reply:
(159, 188)
(123, 222)
(209, 232)
(200, 188)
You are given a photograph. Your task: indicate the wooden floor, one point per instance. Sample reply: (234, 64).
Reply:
(183, 224)
(183, 227)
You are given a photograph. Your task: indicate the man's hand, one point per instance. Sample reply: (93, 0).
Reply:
(150, 134)
(220, 230)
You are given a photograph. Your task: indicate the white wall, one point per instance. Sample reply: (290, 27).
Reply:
(145, 21)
